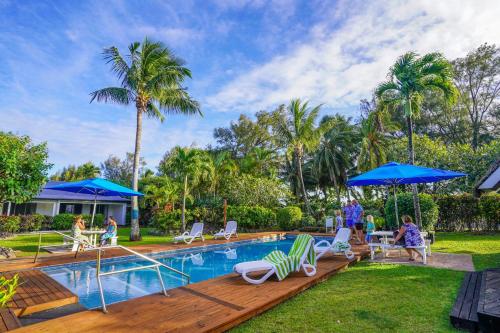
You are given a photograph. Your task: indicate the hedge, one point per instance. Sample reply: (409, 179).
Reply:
(428, 209)
(9, 224)
(289, 218)
(252, 218)
(65, 221)
(31, 222)
(489, 206)
(458, 212)
(466, 213)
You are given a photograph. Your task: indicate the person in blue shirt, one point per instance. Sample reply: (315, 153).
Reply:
(357, 218)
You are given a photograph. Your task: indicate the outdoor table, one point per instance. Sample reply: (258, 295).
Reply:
(93, 235)
(384, 234)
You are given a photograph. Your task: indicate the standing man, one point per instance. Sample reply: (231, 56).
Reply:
(357, 217)
(348, 217)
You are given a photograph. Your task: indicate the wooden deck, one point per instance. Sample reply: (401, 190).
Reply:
(8, 320)
(37, 292)
(214, 305)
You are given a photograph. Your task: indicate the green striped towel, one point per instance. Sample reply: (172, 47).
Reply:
(286, 264)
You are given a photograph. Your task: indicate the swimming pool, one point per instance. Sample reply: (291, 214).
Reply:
(200, 263)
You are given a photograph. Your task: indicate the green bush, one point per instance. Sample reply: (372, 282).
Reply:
(489, 205)
(167, 222)
(428, 209)
(31, 222)
(458, 213)
(65, 221)
(289, 218)
(308, 221)
(379, 222)
(252, 218)
(62, 221)
(9, 224)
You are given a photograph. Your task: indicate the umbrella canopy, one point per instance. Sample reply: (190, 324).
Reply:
(96, 186)
(394, 173)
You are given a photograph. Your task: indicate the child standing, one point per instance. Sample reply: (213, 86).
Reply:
(339, 221)
(370, 228)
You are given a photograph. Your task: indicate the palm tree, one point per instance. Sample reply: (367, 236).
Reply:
(151, 78)
(224, 166)
(160, 191)
(260, 161)
(187, 164)
(298, 133)
(334, 155)
(409, 78)
(374, 131)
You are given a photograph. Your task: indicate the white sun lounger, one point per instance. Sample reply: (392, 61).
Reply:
(231, 229)
(245, 268)
(342, 236)
(189, 237)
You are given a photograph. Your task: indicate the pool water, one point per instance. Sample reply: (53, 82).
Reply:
(200, 263)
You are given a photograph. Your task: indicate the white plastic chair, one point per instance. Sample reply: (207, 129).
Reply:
(195, 232)
(231, 229)
(328, 223)
(342, 236)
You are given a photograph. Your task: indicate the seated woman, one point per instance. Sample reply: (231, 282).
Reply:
(411, 235)
(78, 227)
(111, 231)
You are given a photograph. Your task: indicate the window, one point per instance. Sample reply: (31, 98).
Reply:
(70, 208)
(23, 209)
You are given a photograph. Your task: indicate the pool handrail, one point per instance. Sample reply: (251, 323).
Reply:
(91, 247)
(156, 265)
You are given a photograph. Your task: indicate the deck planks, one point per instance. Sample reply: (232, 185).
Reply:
(214, 305)
(37, 292)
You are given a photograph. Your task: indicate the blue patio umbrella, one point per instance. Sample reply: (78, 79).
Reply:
(96, 187)
(394, 174)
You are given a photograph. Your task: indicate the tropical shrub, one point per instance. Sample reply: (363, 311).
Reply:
(428, 208)
(308, 221)
(489, 205)
(62, 221)
(167, 222)
(252, 218)
(247, 190)
(31, 222)
(7, 289)
(289, 218)
(9, 224)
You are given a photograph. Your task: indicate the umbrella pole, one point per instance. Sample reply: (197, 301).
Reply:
(93, 211)
(396, 204)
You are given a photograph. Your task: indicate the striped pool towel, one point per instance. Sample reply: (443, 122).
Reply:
(286, 264)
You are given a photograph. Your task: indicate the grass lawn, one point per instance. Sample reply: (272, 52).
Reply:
(382, 298)
(27, 244)
(484, 248)
(368, 298)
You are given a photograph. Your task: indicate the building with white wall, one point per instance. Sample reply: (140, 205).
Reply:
(53, 202)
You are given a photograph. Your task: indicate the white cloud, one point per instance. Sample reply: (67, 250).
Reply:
(339, 68)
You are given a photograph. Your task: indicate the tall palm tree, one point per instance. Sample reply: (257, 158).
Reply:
(298, 133)
(334, 155)
(187, 164)
(374, 131)
(151, 78)
(224, 166)
(409, 78)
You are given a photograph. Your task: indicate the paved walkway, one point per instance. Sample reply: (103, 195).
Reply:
(458, 262)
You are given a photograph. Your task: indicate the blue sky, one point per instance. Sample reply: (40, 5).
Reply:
(245, 56)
